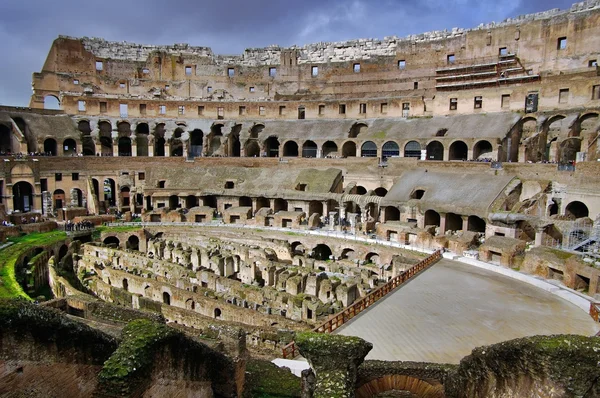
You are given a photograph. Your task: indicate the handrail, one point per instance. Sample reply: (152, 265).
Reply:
(595, 311)
(348, 313)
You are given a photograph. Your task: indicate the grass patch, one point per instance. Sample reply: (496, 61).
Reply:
(9, 287)
(264, 379)
(123, 228)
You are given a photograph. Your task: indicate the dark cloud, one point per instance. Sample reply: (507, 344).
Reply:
(27, 28)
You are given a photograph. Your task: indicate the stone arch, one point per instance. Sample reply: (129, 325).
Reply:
(432, 217)
(125, 284)
(159, 140)
(321, 252)
(77, 197)
(50, 147)
(256, 130)
(309, 149)
(62, 252)
(357, 129)
(577, 209)
(191, 201)
(392, 213)
(412, 149)
(58, 198)
(280, 205)
(348, 254)
(87, 142)
(166, 298)
(483, 150)
(234, 146)
(297, 248)
(315, 207)
(214, 139)
(272, 147)
(368, 149)
(524, 128)
(381, 192)
(476, 224)
(372, 257)
(330, 148)
(435, 151)
(453, 222)
(262, 202)
(51, 102)
(23, 196)
(109, 188)
(133, 242)
(173, 202)
(196, 143)
(124, 144)
(190, 304)
(349, 149)
(458, 151)
(396, 383)
(218, 313)
(290, 149)
(69, 147)
(390, 150)
(585, 125)
(105, 138)
(142, 130)
(112, 240)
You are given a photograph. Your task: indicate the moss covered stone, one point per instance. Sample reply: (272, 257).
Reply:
(264, 379)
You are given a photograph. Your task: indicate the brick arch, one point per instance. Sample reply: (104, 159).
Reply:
(418, 387)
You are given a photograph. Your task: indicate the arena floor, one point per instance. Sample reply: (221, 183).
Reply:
(451, 308)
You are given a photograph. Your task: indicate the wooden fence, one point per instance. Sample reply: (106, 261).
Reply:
(339, 319)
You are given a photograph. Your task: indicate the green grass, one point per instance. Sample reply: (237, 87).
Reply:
(9, 287)
(123, 228)
(264, 379)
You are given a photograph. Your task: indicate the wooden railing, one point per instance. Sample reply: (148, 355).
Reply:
(595, 311)
(342, 317)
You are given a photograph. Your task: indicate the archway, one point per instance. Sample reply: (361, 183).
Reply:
(381, 192)
(372, 258)
(576, 209)
(109, 191)
(77, 197)
(214, 139)
(315, 207)
(166, 298)
(280, 205)
(454, 222)
(133, 243)
(5, 140)
(309, 150)
(96, 185)
(272, 147)
(191, 201)
(190, 305)
(105, 136)
(51, 102)
(173, 202)
(483, 150)
(348, 254)
(125, 198)
(159, 140)
(22, 196)
(357, 129)
(392, 213)
(218, 313)
(262, 202)
(112, 240)
(330, 149)
(62, 252)
(435, 151)
(124, 146)
(141, 139)
(125, 284)
(349, 149)
(69, 147)
(432, 217)
(368, 150)
(50, 147)
(458, 151)
(290, 149)
(569, 149)
(322, 252)
(476, 224)
(297, 248)
(412, 149)
(390, 150)
(256, 130)
(58, 197)
(196, 143)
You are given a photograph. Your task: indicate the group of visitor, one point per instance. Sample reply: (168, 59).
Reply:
(78, 226)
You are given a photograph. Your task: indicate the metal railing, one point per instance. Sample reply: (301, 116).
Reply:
(348, 313)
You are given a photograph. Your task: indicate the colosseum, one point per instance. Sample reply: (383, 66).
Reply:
(411, 217)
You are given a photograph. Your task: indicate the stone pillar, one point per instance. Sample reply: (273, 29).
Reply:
(446, 155)
(539, 235)
(470, 154)
(522, 151)
(319, 153)
(98, 147)
(133, 146)
(442, 223)
(47, 203)
(37, 201)
(167, 149)
(115, 148)
(465, 226)
(334, 360)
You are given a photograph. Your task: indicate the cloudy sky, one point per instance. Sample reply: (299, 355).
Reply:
(28, 27)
